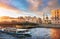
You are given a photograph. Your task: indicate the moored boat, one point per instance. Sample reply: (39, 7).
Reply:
(17, 32)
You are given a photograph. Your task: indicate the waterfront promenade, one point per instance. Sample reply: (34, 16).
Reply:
(49, 25)
(32, 25)
(45, 26)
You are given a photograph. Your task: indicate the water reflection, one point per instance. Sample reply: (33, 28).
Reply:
(45, 33)
(55, 33)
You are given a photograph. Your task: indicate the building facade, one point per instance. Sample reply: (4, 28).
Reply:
(55, 16)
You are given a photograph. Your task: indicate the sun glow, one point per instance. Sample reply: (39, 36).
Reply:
(6, 10)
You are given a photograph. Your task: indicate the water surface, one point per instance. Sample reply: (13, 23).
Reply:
(36, 33)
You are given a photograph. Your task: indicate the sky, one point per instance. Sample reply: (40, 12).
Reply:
(15, 8)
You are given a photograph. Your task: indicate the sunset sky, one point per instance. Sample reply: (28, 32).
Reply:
(15, 8)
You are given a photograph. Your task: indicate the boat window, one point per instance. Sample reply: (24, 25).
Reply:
(20, 31)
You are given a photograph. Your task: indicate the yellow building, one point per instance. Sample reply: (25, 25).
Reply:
(55, 16)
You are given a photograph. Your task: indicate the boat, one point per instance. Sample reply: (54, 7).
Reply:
(17, 32)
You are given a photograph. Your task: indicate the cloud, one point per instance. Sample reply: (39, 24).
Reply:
(5, 1)
(2, 5)
(39, 13)
(7, 10)
(7, 5)
(53, 4)
(47, 6)
(34, 4)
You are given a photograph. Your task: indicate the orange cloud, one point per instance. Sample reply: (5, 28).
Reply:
(6, 6)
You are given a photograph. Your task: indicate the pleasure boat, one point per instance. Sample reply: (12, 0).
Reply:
(17, 32)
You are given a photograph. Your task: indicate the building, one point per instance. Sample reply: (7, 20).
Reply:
(28, 18)
(21, 19)
(55, 16)
(46, 20)
(39, 20)
(32, 19)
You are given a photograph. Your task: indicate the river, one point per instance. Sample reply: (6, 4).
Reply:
(36, 33)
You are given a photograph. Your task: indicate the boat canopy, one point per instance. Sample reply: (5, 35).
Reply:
(21, 29)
